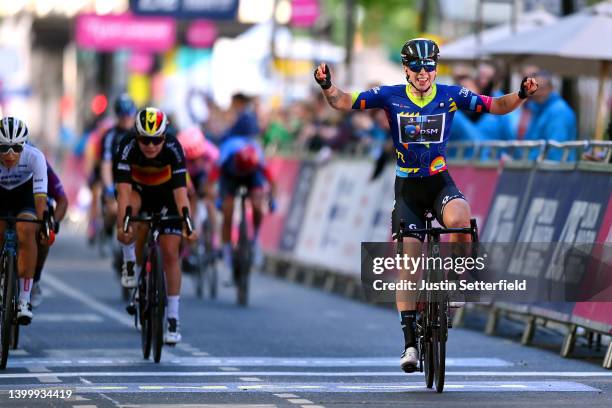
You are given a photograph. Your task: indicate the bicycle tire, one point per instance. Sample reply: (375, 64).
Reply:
(439, 345)
(428, 350)
(144, 310)
(158, 293)
(8, 307)
(243, 258)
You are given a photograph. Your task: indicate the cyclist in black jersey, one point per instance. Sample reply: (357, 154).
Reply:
(420, 114)
(151, 177)
(125, 109)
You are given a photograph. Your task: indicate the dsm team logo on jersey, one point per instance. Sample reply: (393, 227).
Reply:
(420, 129)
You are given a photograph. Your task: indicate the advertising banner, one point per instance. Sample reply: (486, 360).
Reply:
(285, 171)
(114, 32)
(297, 208)
(210, 9)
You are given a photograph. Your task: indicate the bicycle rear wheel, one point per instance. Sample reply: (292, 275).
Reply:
(158, 310)
(7, 306)
(439, 337)
(144, 309)
(242, 259)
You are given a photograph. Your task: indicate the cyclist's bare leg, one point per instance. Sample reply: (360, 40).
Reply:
(457, 215)
(406, 301)
(257, 199)
(94, 208)
(227, 209)
(27, 244)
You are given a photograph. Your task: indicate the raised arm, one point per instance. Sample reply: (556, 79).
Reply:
(336, 98)
(508, 103)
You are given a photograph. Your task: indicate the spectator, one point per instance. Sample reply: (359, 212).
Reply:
(245, 123)
(552, 118)
(494, 127)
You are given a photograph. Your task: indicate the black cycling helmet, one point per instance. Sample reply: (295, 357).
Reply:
(419, 48)
(124, 105)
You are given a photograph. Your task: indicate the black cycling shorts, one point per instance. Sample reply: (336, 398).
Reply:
(18, 200)
(154, 200)
(415, 196)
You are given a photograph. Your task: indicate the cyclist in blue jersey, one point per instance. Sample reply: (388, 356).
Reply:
(420, 115)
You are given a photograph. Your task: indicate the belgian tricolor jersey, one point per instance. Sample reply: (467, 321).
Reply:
(166, 170)
(420, 127)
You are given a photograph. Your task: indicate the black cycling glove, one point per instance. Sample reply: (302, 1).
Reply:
(326, 83)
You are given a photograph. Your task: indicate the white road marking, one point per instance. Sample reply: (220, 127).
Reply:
(299, 401)
(231, 372)
(518, 374)
(49, 379)
(286, 395)
(38, 370)
(132, 356)
(19, 352)
(200, 354)
(86, 299)
(69, 317)
(250, 379)
(341, 387)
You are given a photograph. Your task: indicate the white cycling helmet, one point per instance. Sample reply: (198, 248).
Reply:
(13, 131)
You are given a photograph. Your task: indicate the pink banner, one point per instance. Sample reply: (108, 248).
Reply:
(201, 34)
(478, 186)
(304, 13)
(113, 32)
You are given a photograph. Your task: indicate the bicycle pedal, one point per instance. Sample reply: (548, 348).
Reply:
(131, 309)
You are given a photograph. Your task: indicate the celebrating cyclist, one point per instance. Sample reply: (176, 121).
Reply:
(241, 163)
(151, 178)
(23, 194)
(57, 204)
(420, 115)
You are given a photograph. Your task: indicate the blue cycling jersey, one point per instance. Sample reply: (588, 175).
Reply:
(420, 127)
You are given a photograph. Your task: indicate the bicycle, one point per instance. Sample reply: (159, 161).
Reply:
(243, 253)
(206, 274)
(9, 285)
(434, 317)
(150, 292)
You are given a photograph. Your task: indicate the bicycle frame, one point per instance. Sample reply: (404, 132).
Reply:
(432, 329)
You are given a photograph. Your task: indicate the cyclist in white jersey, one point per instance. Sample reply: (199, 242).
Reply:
(23, 194)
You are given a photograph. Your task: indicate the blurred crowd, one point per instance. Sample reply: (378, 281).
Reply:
(310, 126)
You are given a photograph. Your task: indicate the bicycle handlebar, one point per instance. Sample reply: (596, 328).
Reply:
(156, 217)
(44, 222)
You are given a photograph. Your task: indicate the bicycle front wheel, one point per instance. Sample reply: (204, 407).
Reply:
(158, 310)
(7, 306)
(144, 309)
(439, 337)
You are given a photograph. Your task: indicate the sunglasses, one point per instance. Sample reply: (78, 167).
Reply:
(155, 141)
(16, 148)
(428, 64)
